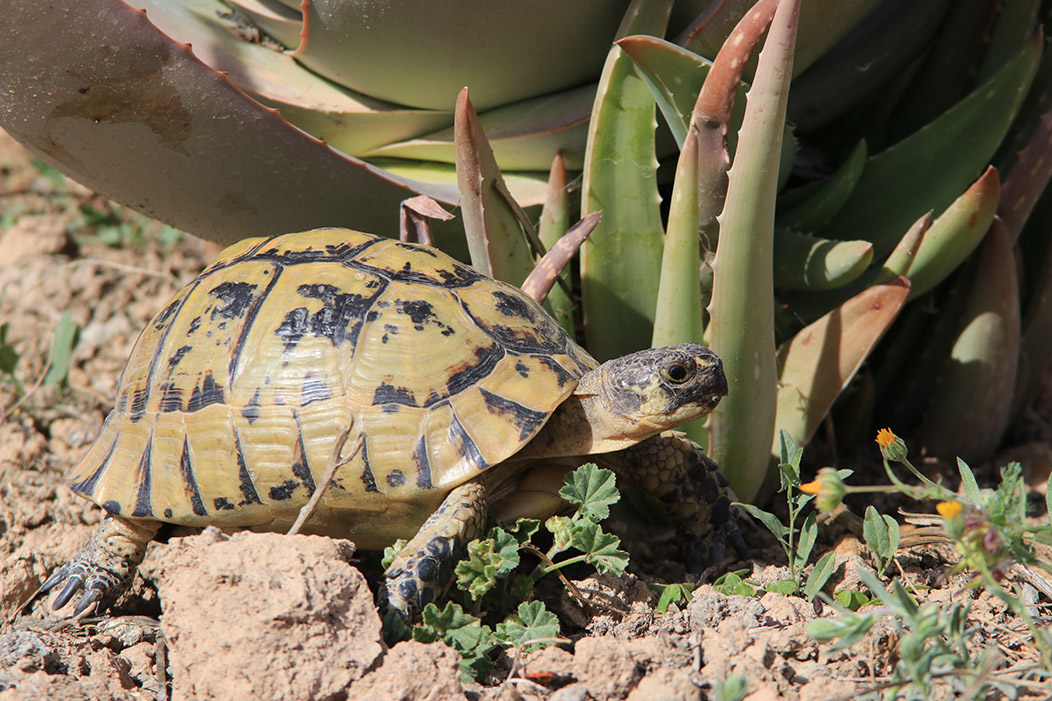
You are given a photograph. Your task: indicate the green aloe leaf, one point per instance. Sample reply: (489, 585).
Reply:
(554, 222)
(822, 24)
(679, 317)
(742, 328)
(114, 119)
(345, 120)
(524, 136)
(481, 45)
(969, 409)
(929, 169)
(804, 262)
(1015, 21)
(621, 260)
(811, 207)
(951, 237)
(495, 226)
(881, 46)
(817, 364)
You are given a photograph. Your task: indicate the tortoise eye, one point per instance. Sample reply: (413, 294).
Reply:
(677, 373)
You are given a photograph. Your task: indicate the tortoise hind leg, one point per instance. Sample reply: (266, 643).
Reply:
(675, 471)
(105, 566)
(422, 571)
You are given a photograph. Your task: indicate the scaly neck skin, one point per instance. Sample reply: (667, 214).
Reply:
(588, 422)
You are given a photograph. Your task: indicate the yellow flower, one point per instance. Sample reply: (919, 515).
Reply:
(885, 437)
(829, 488)
(891, 446)
(948, 509)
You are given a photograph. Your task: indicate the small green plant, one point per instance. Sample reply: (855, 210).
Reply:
(9, 358)
(797, 542)
(882, 537)
(489, 569)
(990, 532)
(67, 333)
(736, 584)
(938, 646)
(678, 593)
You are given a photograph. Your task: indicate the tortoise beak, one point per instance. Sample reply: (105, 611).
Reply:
(714, 381)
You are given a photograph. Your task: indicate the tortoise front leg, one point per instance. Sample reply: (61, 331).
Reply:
(675, 471)
(105, 566)
(423, 570)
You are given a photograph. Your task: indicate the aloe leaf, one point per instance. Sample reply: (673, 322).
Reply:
(929, 169)
(1027, 182)
(881, 46)
(814, 207)
(742, 326)
(551, 266)
(113, 119)
(483, 49)
(822, 24)
(524, 136)
(952, 237)
(621, 260)
(969, 409)
(529, 189)
(679, 317)
(1015, 22)
(817, 364)
(346, 121)
(804, 262)
(554, 221)
(496, 228)
(281, 22)
(947, 72)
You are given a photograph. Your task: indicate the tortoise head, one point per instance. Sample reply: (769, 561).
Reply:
(659, 387)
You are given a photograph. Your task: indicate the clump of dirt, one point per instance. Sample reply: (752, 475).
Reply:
(275, 617)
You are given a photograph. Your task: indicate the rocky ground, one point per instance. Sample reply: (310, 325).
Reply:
(275, 617)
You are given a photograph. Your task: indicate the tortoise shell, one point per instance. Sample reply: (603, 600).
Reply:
(236, 392)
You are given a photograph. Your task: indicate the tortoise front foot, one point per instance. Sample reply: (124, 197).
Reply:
(423, 570)
(104, 567)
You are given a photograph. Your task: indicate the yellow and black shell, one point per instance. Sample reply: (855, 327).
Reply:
(236, 392)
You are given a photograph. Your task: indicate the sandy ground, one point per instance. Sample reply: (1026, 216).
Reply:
(273, 617)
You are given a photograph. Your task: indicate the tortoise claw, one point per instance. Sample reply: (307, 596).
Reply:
(90, 597)
(73, 585)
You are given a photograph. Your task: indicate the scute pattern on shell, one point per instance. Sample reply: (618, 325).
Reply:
(236, 392)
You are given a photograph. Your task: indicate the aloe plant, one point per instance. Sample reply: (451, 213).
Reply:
(857, 219)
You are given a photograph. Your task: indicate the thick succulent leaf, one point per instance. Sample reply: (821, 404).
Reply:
(367, 45)
(947, 71)
(969, 410)
(929, 169)
(822, 24)
(524, 136)
(346, 121)
(621, 261)
(679, 317)
(1015, 21)
(282, 22)
(495, 226)
(817, 364)
(876, 50)
(952, 236)
(554, 222)
(810, 207)
(804, 262)
(94, 89)
(551, 267)
(742, 326)
(1029, 177)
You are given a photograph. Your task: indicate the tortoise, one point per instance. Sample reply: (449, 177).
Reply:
(453, 393)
